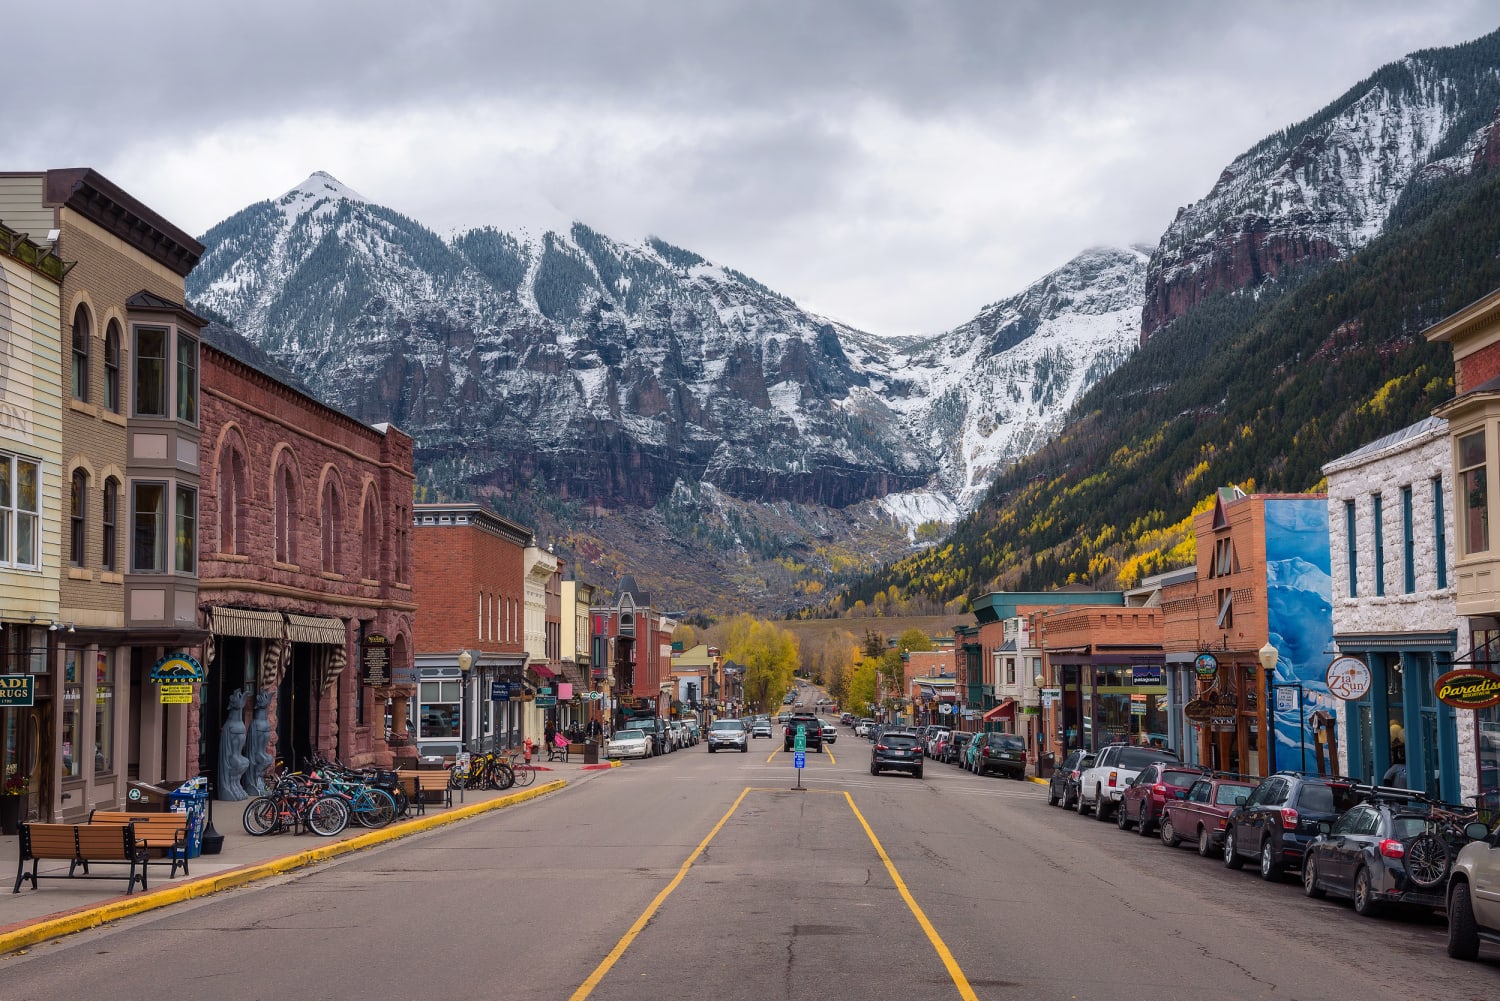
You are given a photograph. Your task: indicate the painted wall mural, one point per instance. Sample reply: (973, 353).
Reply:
(1299, 600)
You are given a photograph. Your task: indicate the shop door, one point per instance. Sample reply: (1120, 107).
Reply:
(294, 710)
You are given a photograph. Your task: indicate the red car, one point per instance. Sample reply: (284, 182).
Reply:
(1146, 796)
(1201, 816)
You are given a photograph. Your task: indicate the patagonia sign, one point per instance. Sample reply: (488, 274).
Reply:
(1469, 689)
(17, 690)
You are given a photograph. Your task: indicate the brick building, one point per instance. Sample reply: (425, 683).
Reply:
(306, 560)
(471, 586)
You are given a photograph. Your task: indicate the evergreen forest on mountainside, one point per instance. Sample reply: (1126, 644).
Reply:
(1258, 389)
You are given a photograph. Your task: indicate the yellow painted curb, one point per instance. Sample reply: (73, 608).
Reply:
(93, 917)
(1040, 782)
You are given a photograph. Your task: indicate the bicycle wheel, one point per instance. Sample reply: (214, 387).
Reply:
(1427, 860)
(525, 775)
(328, 815)
(260, 816)
(374, 808)
(502, 774)
(403, 804)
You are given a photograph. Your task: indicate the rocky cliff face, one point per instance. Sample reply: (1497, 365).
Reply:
(1326, 186)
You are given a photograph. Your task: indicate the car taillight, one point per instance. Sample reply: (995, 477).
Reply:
(1289, 818)
(1391, 848)
(1113, 777)
(1073, 774)
(881, 747)
(1160, 789)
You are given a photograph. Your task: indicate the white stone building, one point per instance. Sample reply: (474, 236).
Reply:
(1395, 608)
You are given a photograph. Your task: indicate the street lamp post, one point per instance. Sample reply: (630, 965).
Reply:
(466, 726)
(1268, 656)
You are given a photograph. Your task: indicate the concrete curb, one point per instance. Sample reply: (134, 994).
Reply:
(85, 918)
(1040, 782)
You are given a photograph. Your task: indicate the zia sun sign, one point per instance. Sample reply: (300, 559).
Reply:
(1469, 689)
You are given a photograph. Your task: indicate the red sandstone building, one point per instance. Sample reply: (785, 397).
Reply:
(305, 568)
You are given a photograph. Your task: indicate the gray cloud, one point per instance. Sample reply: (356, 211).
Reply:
(895, 163)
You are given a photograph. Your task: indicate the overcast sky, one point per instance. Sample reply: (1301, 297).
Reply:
(896, 165)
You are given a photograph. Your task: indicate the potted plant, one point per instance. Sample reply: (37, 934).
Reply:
(12, 795)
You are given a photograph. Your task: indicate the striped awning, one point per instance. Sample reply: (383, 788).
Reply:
(334, 660)
(316, 629)
(226, 621)
(273, 660)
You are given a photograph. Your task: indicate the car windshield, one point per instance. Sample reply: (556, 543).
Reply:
(727, 724)
(630, 734)
(1228, 795)
(1136, 758)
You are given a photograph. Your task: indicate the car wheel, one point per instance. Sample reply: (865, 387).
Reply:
(1310, 877)
(1081, 806)
(1463, 931)
(1205, 843)
(710, 749)
(1122, 817)
(873, 769)
(1364, 894)
(1232, 858)
(917, 773)
(1101, 805)
(1051, 796)
(1143, 823)
(744, 748)
(1168, 834)
(1270, 866)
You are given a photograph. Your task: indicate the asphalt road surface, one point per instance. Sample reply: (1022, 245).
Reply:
(952, 886)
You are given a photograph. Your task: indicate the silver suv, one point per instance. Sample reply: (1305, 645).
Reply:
(728, 734)
(1474, 894)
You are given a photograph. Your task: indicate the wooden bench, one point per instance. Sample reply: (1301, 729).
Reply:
(163, 835)
(79, 845)
(422, 784)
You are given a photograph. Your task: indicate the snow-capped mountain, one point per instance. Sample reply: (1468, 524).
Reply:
(1328, 185)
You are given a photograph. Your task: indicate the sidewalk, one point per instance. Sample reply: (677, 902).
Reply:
(63, 906)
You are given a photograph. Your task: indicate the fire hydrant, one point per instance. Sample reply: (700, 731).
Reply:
(526, 749)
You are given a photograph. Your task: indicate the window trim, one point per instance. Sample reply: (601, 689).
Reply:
(83, 332)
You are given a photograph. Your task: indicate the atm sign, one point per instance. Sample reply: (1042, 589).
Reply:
(17, 690)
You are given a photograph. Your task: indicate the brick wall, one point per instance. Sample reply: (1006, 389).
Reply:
(470, 585)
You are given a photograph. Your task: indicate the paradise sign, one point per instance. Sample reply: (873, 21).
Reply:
(1469, 689)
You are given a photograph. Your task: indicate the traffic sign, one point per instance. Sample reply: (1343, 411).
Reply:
(543, 701)
(945, 708)
(799, 742)
(799, 759)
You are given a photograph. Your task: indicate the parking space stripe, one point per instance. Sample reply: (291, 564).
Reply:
(959, 980)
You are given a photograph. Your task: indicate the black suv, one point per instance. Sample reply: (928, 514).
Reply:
(1281, 818)
(814, 731)
(900, 750)
(1000, 752)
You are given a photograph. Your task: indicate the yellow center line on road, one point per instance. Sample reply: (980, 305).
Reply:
(959, 980)
(773, 756)
(831, 759)
(587, 987)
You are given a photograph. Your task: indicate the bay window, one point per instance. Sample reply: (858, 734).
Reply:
(1473, 505)
(151, 371)
(148, 526)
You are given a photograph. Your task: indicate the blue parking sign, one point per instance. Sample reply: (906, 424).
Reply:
(799, 759)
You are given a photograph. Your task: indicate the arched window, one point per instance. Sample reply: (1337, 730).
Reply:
(78, 504)
(333, 528)
(111, 560)
(233, 487)
(286, 515)
(82, 331)
(370, 535)
(112, 401)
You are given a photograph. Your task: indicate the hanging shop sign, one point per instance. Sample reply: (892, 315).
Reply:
(1348, 678)
(1223, 724)
(1468, 688)
(1207, 666)
(499, 691)
(17, 690)
(375, 660)
(1199, 711)
(177, 667)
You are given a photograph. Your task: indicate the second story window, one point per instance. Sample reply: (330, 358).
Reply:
(187, 379)
(112, 368)
(1439, 531)
(78, 499)
(285, 515)
(1376, 512)
(370, 537)
(111, 558)
(1351, 548)
(1408, 543)
(20, 512)
(333, 529)
(148, 528)
(1473, 508)
(81, 334)
(185, 549)
(151, 371)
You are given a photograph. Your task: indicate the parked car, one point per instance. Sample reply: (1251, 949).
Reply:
(1474, 894)
(1281, 818)
(1062, 787)
(1378, 852)
(628, 744)
(1000, 752)
(695, 733)
(1147, 795)
(680, 736)
(958, 749)
(897, 750)
(1102, 785)
(830, 734)
(1203, 813)
(728, 734)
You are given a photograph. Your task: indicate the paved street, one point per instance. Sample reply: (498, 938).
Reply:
(789, 898)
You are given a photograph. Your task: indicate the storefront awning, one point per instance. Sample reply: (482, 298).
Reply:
(543, 671)
(316, 629)
(1004, 710)
(247, 622)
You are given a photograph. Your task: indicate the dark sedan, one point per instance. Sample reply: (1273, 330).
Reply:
(1368, 856)
(1063, 786)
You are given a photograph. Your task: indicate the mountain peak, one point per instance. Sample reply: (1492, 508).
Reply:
(320, 193)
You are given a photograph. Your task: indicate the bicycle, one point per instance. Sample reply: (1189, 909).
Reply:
(295, 800)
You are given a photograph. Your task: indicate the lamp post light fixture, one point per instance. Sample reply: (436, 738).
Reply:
(465, 662)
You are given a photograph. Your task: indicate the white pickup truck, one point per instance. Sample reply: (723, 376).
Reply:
(1101, 785)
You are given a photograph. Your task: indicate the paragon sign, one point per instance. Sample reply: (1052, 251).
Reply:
(1469, 689)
